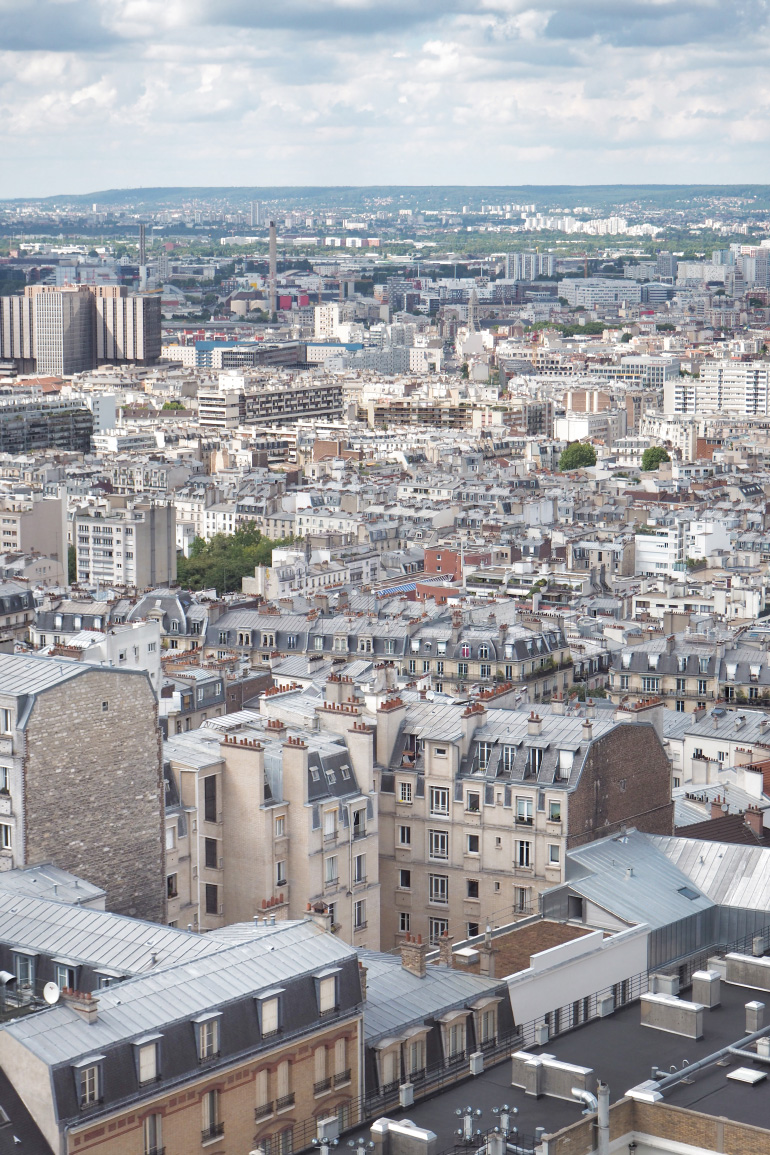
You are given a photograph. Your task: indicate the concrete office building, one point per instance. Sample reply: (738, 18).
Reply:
(128, 329)
(64, 331)
(44, 423)
(135, 546)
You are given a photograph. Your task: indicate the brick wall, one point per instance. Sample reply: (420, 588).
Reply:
(94, 787)
(626, 781)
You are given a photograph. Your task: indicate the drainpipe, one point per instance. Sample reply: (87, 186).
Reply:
(603, 1120)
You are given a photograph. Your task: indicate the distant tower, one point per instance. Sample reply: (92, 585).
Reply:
(142, 258)
(473, 312)
(256, 214)
(273, 274)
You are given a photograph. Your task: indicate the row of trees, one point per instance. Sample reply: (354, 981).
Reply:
(222, 562)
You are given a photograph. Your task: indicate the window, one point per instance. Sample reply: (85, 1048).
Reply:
(473, 887)
(679, 706)
(485, 670)
(487, 1026)
(438, 844)
(105, 707)
(534, 759)
(5, 721)
(524, 810)
(359, 868)
(651, 685)
(5, 836)
(90, 1085)
(462, 669)
(210, 798)
(624, 681)
(212, 1127)
(359, 914)
(269, 1023)
(485, 751)
(472, 843)
(439, 800)
(440, 751)
(509, 753)
(483, 652)
(66, 977)
(414, 1056)
(331, 870)
(465, 650)
(359, 823)
(210, 852)
(439, 667)
(153, 1134)
(405, 792)
(208, 1038)
(405, 836)
(280, 873)
(436, 928)
(438, 888)
(172, 889)
(330, 824)
(148, 1062)
(280, 826)
(554, 811)
(212, 898)
(702, 686)
(318, 643)
(404, 922)
(412, 666)
(404, 879)
(521, 899)
(328, 993)
(681, 685)
(554, 854)
(170, 837)
(523, 853)
(473, 802)
(456, 1039)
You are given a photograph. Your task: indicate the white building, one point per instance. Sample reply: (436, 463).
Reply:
(661, 551)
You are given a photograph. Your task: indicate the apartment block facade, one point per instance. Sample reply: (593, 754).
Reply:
(135, 546)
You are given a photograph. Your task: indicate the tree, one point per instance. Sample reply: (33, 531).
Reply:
(577, 455)
(465, 371)
(173, 405)
(72, 564)
(652, 457)
(224, 560)
(625, 338)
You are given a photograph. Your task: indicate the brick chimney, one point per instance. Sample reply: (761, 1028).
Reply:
(753, 818)
(82, 1002)
(716, 808)
(445, 956)
(413, 955)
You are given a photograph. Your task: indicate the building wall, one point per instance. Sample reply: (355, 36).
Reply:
(94, 790)
(626, 781)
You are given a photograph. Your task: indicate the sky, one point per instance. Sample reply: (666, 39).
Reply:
(98, 94)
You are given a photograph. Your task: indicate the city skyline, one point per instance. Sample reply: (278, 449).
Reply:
(140, 93)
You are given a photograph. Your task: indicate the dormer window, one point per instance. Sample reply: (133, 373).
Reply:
(483, 652)
(327, 991)
(652, 661)
(147, 1059)
(207, 1037)
(269, 1012)
(465, 650)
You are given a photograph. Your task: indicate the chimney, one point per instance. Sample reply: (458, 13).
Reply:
(362, 978)
(716, 808)
(588, 730)
(487, 955)
(318, 913)
(557, 702)
(753, 819)
(82, 1002)
(445, 949)
(534, 724)
(590, 708)
(413, 955)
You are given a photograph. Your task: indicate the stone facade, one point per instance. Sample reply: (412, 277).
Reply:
(94, 790)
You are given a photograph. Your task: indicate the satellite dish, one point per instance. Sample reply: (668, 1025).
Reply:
(430, 695)
(51, 993)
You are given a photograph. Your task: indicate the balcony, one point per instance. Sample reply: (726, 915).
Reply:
(342, 1078)
(284, 1102)
(215, 1131)
(263, 1111)
(322, 1086)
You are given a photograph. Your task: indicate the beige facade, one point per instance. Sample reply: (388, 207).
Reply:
(135, 546)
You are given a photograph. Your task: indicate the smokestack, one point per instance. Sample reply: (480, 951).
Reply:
(142, 257)
(273, 274)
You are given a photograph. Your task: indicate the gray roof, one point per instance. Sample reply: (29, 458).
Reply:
(93, 937)
(631, 877)
(175, 993)
(730, 874)
(397, 999)
(51, 882)
(22, 674)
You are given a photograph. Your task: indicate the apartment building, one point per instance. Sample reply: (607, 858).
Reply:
(223, 407)
(740, 387)
(276, 814)
(34, 522)
(239, 1044)
(64, 800)
(281, 403)
(134, 546)
(30, 425)
(478, 806)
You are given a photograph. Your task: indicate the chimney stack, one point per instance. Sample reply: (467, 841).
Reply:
(413, 955)
(445, 949)
(82, 1002)
(588, 730)
(534, 724)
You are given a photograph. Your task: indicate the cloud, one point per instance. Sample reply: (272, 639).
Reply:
(100, 93)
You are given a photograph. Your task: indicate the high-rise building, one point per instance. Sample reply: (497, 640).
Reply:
(255, 215)
(135, 546)
(64, 331)
(128, 329)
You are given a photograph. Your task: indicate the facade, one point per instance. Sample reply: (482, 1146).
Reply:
(135, 546)
(128, 329)
(739, 387)
(63, 800)
(295, 402)
(34, 523)
(45, 423)
(64, 331)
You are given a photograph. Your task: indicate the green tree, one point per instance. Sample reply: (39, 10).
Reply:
(625, 338)
(652, 457)
(173, 405)
(465, 371)
(223, 561)
(72, 564)
(577, 455)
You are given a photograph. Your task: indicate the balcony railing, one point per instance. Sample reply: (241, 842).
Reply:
(322, 1086)
(212, 1132)
(263, 1111)
(341, 1078)
(284, 1102)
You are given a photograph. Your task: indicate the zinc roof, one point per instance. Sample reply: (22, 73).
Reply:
(30, 674)
(730, 874)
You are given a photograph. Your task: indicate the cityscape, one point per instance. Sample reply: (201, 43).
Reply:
(384, 578)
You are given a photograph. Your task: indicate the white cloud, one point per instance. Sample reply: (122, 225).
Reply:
(106, 93)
